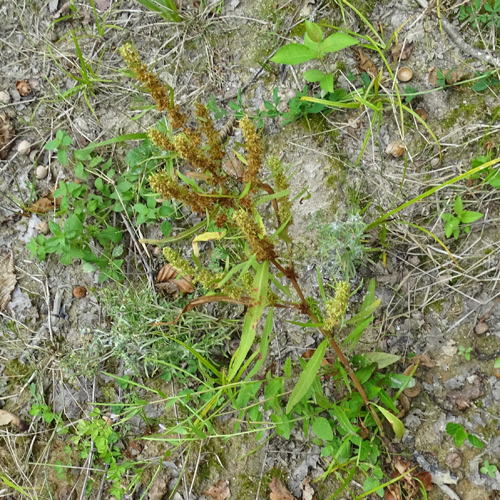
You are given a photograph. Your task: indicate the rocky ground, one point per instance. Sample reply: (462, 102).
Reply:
(436, 302)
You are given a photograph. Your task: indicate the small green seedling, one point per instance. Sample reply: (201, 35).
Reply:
(457, 222)
(460, 435)
(489, 469)
(465, 352)
(61, 143)
(314, 46)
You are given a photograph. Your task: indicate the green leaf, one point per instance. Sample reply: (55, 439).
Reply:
(313, 75)
(322, 428)
(66, 140)
(338, 41)
(397, 380)
(72, 227)
(458, 206)
(314, 31)
(254, 313)
(457, 432)
(307, 377)
(51, 145)
(371, 483)
(396, 424)
(468, 217)
(475, 441)
(326, 83)
(293, 53)
(264, 343)
(497, 363)
(343, 420)
(109, 234)
(166, 228)
(62, 156)
(382, 359)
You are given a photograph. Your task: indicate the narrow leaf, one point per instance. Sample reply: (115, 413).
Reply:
(396, 424)
(258, 303)
(307, 377)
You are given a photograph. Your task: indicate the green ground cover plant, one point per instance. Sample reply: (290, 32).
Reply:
(460, 221)
(479, 12)
(99, 191)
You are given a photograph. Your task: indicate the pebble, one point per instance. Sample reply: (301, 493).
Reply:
(435, 162)
(16, 96)
(41, 172)
(481, 328)
(4, 97)
(24, 148)
(43, 227)
(453, 460)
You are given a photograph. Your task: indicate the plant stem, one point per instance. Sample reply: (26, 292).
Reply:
(335, 346)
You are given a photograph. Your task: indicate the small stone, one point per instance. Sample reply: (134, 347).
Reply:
(156, 251)
(79, 292)
(43, 228)
(53, 6)
(34, 83)
(16, 96)
(453, 460)
(435, 162)
(41, 172)
(496, 372)
(4, 97)
(23, 148)
(481, 328)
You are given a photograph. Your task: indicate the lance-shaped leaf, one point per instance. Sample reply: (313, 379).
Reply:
(254, 313)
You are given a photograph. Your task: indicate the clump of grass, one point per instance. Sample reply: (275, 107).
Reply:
(138, 330)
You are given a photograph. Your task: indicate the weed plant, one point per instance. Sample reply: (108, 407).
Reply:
(250, 218)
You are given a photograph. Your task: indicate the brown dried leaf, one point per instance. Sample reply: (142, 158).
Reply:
(219, 490)
(392, 492)
(426, 478)
(165, 273)
(23, 87)
(7, 418)
(279, 491)
(365, 63)
(402, 51)
(424, 360)
(7, 279)
(327, 360)
(451, 76)
(233, 166)
(413, 392)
